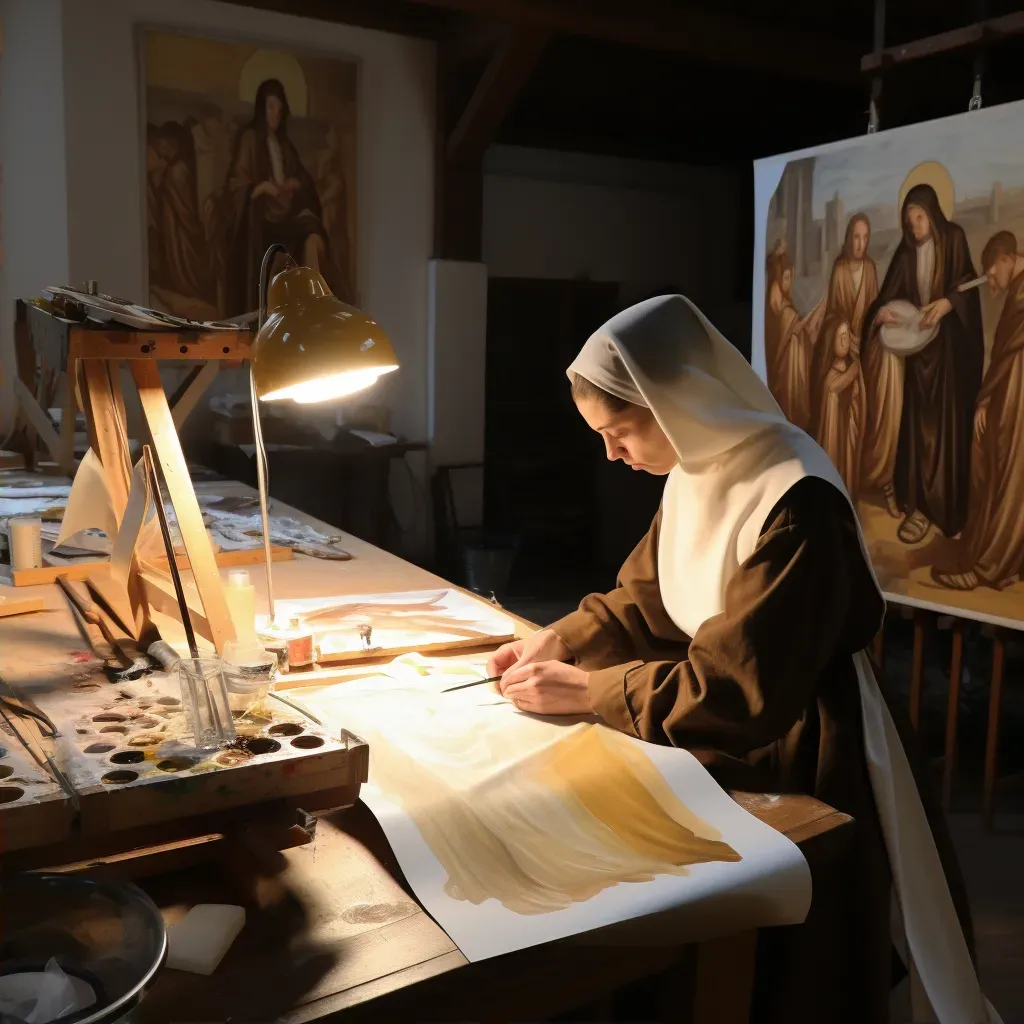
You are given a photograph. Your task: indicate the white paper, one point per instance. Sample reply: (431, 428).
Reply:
(90, 505)
(480, 758)
(377, 440)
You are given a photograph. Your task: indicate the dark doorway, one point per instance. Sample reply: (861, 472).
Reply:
(546, 479)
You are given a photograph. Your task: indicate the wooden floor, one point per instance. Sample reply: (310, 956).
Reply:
(993, 864)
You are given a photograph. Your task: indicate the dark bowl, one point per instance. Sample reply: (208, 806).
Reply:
(110, 936)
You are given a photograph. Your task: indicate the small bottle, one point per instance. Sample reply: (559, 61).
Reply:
(240, 595)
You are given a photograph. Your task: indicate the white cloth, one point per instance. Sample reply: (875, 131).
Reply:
(738, 455)
(925, 270)
(276, 158)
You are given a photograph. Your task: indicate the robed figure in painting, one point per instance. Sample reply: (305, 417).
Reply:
(841, 403)
(269, 197)
(786, 347)
(993, 538)
(852, 288)
(931, 477)
(181, 261)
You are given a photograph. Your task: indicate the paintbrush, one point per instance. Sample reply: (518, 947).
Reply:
(476, 682)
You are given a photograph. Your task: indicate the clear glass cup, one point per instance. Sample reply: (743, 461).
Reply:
(204, 696)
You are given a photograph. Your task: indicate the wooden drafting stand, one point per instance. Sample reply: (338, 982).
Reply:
(92, 359)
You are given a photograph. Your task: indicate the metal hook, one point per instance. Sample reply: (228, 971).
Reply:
(975, 103)
(872, 117)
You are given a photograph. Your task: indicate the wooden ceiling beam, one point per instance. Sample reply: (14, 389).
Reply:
(657, 25)
(472, 38)
(979, 34)
(506, 73)
(383, 15)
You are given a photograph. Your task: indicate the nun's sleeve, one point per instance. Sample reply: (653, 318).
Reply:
(613, 628)
(751, 671)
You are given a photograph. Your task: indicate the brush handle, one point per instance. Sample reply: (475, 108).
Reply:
(476, 682)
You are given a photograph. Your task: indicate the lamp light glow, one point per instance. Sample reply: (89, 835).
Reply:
(323, 389)
(313, 347)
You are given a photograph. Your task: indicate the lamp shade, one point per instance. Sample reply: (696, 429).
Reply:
(314, 347)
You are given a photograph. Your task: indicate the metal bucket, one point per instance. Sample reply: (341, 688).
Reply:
(110, 938)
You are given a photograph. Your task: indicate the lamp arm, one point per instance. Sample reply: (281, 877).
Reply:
(262, 468)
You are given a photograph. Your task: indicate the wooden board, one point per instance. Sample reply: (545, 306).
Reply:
(429, 621)
(22, 606)
(83, 570)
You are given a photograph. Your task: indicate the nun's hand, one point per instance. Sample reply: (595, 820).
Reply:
(548, 688)
(544, 645)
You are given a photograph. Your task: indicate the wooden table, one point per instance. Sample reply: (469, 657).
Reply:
(352, 943)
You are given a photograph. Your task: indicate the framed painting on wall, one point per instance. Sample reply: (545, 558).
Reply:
(889, 324)
(244, 146)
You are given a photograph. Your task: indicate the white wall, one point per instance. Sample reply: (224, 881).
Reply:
(457, 311)
(32, 145)
(644, 224)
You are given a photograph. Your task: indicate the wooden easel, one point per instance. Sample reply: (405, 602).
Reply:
(91, 361)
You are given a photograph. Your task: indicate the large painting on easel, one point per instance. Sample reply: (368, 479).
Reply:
(245, 147)
(889, 324)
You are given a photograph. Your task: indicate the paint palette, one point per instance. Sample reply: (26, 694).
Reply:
(128, 753)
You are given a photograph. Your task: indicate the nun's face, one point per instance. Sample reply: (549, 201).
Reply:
(631, 434)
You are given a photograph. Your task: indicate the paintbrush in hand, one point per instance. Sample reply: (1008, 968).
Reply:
(476, 682)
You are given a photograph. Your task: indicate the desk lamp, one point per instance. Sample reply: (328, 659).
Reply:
(310, 347)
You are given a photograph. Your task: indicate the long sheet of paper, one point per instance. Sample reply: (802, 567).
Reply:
(90, 505)
(842, 230)
(515, 830)
(131, 526)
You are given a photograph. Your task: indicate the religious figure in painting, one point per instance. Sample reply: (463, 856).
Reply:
(269, 197)
(931, 475)
(992, 545)
(182, 265)
(841, 404)
(852, 288)
(335, 196)
(213, 137)
(786, 344)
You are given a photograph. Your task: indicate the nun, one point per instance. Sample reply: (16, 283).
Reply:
(738, 630)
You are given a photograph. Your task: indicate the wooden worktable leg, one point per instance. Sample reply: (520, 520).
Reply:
(917, 666)
(108, 433)
(956, 671)
(995, 701)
